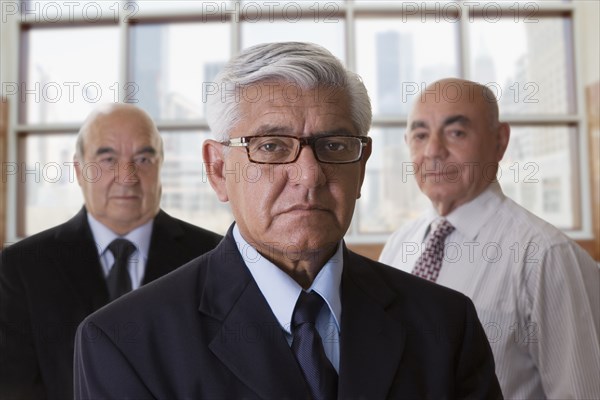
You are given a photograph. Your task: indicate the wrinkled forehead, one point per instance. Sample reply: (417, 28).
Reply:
(122, 133)
(291, 105)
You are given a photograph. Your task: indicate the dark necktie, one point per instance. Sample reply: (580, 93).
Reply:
(429, 264)
(118, 279)
(307, 346)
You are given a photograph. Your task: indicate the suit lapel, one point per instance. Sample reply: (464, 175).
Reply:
(251, 344)
(371, 341)
(80, 263)
(250, 341)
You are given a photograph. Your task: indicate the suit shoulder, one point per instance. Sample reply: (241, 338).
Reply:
(47, 235)
(190, 231)
(160, 297)
(36, 246)
(205, 234)
(405, 286)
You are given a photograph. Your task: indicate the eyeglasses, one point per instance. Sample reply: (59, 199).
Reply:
(276, 149)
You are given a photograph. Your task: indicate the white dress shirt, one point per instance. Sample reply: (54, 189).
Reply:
(537, 293)
(282, 292)
(140, 237)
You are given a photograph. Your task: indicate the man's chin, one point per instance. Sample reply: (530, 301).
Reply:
(440, 192)
(125, 202)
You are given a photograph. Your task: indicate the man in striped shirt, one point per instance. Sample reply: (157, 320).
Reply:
(537, 293)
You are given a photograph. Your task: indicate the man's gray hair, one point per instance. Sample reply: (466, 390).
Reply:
(306, 65)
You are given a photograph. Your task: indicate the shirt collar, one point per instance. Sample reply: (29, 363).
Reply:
(483, 206)
(103, 236)
(282, 292)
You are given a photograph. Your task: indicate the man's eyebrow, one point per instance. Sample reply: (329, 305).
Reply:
(457, 119)
(110, 150)
(283, 130)
(105, 150)
(418, 124)
(271, 130)
(146, 149)
(336, 132)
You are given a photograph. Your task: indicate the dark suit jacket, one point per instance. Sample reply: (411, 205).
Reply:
(51, 281)
(206, 332)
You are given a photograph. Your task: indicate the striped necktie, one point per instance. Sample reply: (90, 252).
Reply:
(320, 376)
(429, 264)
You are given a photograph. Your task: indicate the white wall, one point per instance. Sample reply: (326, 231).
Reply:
(588, 14)
(7, 47)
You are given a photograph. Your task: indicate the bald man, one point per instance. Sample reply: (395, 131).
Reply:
(51, 281)
(535, 290)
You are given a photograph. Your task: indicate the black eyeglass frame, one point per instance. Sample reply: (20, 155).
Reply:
(244, 141)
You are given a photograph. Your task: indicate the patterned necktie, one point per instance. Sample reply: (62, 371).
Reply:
(118, 280)
(429, 264)
(307, 347)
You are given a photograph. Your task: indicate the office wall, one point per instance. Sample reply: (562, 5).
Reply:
(4, 46)
(590, 44)
(590, 50)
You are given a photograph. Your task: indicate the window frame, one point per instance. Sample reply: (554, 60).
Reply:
(348, 11)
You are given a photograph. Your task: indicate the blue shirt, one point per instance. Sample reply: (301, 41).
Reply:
(282, 292)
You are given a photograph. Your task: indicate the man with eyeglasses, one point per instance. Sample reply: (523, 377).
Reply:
(281, 309)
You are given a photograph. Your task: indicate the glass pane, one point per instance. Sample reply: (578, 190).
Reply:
(527, 63)
(52, 194)
(46, 11)
(187, 194)
(390, 195)
(538, 172)
(171, 62)
(396, 58)
(326, 31)
(70, 71)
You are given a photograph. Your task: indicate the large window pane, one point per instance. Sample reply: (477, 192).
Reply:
(528, 63)
(90, 11)
(70, 71)
(187, 194)
(52, 194)
(176, 47)
(538, 172)
(172, 63)
(390, 195)
(325, 32)
(397, 58)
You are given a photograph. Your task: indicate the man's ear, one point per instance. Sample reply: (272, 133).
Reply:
(363, 165)
(78, 172)
(214, 165)
(503, 138)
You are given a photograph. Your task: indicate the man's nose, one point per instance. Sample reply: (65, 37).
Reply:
(127, 173)
(435, 147)
(308, 170)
